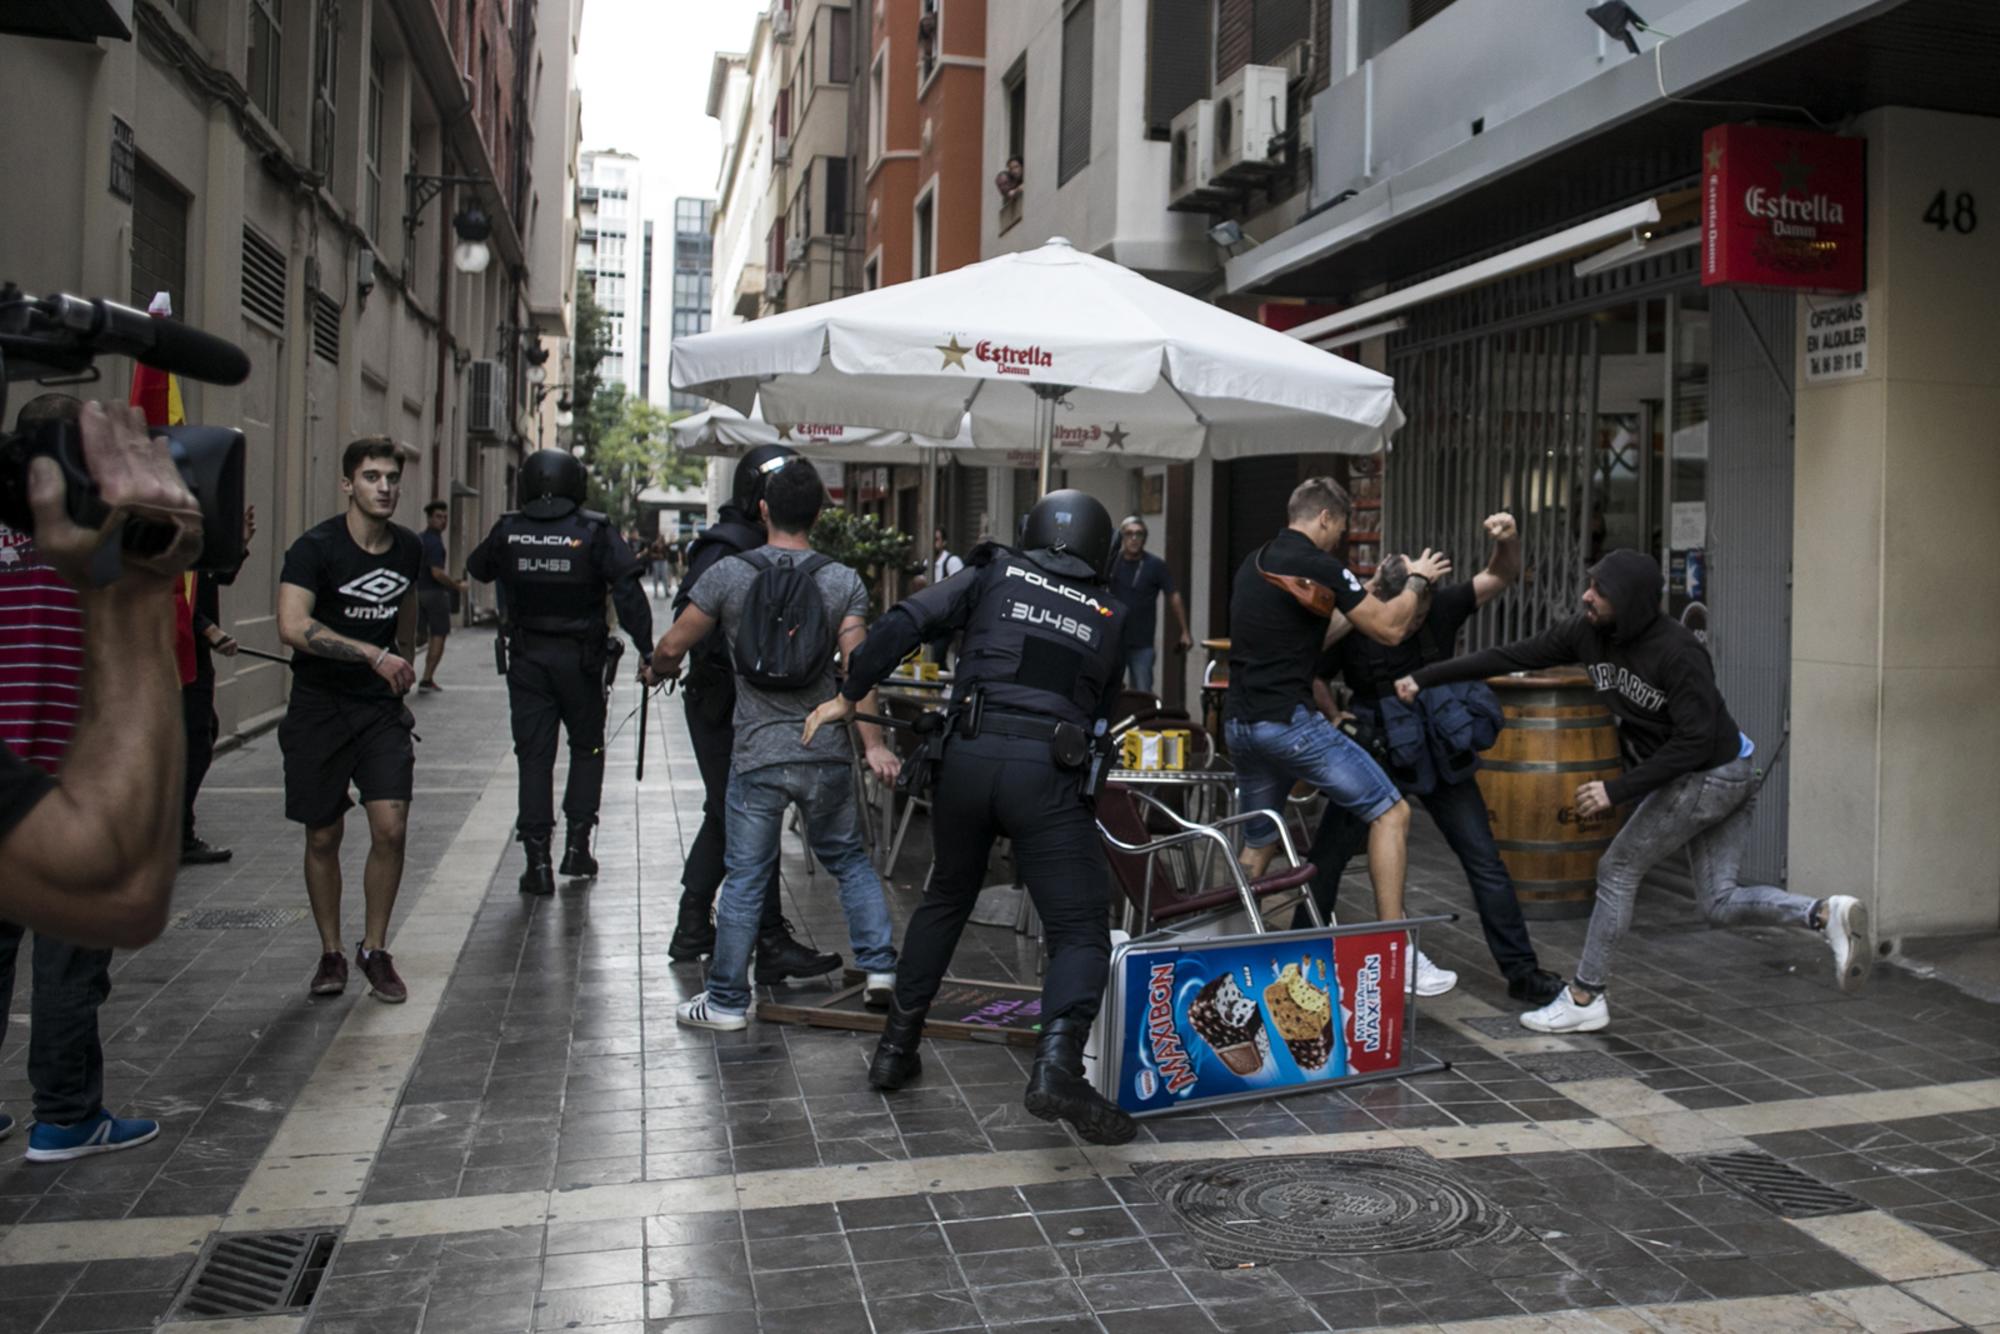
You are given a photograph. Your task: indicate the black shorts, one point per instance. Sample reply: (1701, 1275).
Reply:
(331, 741)
(434, 612)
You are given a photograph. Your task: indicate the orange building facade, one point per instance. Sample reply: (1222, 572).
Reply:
(925, 85)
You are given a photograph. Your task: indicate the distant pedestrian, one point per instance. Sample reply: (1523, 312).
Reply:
(347, 608)
(1689, 771)
(1139, 579)
(436, 589)
(784, 610)
(42, 670)
(943, 564)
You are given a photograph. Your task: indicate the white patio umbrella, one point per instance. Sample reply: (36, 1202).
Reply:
(1040, 348)
(722, 432)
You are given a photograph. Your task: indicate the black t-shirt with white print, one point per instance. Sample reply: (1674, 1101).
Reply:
(356, 593)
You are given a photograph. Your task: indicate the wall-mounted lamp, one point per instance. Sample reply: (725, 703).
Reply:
(472, 254)
(364, 273)
(471, 224)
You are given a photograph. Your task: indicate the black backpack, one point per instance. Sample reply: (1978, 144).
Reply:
(786, 639)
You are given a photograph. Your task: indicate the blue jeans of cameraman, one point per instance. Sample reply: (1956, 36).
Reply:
(65, 1057)
(1460, 813)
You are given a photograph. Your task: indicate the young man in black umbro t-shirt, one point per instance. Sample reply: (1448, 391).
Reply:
(347, 609)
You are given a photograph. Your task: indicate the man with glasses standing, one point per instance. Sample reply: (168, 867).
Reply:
(1138, 579)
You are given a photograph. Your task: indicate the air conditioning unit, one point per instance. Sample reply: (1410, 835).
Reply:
(1192, 160)
(774, 286)
(795, 249)
(1252, 109)
(781, 150)
(781, 21)
(486, 398)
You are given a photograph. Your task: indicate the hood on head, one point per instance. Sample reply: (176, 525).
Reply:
(1633, 583)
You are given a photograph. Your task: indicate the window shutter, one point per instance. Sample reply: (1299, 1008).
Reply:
(1177, 43)
(836, 196)
(1275, 25)
(1073, 150)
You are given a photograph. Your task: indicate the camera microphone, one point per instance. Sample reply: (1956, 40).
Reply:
(106, 327)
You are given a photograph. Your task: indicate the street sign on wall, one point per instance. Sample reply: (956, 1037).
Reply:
(1783, 208)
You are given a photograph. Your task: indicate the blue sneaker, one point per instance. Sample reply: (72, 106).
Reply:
(103, 1133)
(6, 1125)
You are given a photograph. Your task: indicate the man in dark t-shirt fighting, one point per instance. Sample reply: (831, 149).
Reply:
(1280, 604)
(1370, 671)
(347, 607)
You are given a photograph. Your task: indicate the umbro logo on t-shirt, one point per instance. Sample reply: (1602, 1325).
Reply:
(376, 586)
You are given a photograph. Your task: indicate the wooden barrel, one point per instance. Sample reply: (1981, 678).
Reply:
(1557, 737)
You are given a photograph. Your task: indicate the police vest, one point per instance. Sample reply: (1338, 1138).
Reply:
(1039, 642)
(548, 570)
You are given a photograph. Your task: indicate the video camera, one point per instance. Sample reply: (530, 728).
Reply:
(56, 340)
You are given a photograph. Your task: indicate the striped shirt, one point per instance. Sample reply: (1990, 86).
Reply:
(41, 654)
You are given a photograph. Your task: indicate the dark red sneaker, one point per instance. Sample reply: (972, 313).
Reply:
(331, 979)
(380, 970)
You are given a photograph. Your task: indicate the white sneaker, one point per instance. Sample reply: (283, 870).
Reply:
(701, 1012)
(1564, 1015)
(1846, 932)
(881, 989)
(1431, 980)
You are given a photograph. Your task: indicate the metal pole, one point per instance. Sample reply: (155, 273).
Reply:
(1045, 426)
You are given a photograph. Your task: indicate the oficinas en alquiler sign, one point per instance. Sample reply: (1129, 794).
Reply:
(1783, 208)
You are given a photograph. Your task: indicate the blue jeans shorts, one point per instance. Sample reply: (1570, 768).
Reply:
(1270, 757)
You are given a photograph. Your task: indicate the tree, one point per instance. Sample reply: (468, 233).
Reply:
(588, 392)
(635, 450)
(865, 544)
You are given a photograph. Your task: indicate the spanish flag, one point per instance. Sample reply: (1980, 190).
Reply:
(158, 394)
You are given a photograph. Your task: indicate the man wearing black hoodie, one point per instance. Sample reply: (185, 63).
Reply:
(1688, 769)
(710, 691)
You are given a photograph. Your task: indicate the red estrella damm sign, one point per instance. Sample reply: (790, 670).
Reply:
(1783, 208)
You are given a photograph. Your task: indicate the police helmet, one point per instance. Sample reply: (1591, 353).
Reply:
(552, 484)
(1075, 532)
(753, 469)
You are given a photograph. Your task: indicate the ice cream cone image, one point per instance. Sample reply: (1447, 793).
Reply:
(1303, 1013)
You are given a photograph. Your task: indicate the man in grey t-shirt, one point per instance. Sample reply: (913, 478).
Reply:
(771, 769)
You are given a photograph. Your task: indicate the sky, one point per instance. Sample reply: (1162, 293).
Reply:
(642, 67)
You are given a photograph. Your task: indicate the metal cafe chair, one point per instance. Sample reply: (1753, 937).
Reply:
(1155, 904)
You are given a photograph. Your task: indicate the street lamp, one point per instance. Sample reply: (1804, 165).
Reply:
(473, 227)
(565, 415)
(472, 254)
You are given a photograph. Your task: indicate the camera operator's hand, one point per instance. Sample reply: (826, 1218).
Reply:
(398, 673)
(137, 480)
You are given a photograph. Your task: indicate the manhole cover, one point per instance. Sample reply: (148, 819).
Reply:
(257, 1273)
(1267, 1210)
(1563, 1067)
(238, 919)
(1778, 1186)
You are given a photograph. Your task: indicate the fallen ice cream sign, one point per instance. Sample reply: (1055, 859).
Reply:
(1837, 340)
(1368, 1005)
(1169, 1062)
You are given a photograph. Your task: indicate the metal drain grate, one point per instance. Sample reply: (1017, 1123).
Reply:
(1778, 1186)
(238, 919)
(1267, 1210)
(257, 1273)
(1564, 1067)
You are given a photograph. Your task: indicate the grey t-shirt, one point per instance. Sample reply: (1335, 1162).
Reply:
(768, 722)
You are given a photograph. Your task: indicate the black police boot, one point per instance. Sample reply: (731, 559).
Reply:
(1536, 989)
(1057, 1090)
(577, 860)
(540, 877)
(896, 1060)
(780, 955)
(694, 934)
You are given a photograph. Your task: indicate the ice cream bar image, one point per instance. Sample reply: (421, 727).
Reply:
(1227, 1020)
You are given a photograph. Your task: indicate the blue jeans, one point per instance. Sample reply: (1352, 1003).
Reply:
(1139, 667)
(1270, 757)
(1461, 816)
(754, 825)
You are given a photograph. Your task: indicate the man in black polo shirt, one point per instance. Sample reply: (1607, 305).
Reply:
(1278, 619)
(1371, 671)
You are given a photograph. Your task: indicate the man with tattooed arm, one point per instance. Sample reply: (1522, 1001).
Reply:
(347, 607)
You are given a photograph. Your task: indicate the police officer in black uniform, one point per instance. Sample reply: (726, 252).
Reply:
(709, 689)
(554, 561)
(1037, 674)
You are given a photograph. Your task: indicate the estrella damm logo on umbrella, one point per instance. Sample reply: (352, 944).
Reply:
(1005, 358)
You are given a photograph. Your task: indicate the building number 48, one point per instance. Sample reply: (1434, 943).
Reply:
(1957, 214)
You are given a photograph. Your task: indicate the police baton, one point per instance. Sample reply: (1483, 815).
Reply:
(645, 697)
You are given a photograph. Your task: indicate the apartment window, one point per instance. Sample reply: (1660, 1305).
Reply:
(835, 173)
(485, 77)
(1178, 48)
(371, 201)
(871, 275)
(802, 204)
(471, 29)
(1073, 145)
(927, 235)
(1276, 25)
(878, 91)
(927, 40)
(159, 238)
(781, 115)
(1016, 84)
(267, 50)
(326, 77)
(839, 46)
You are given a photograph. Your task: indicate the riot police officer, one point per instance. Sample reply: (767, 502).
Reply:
(554, 561)
(1038, 672)
(709, 690)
